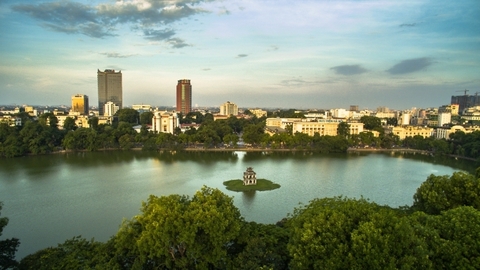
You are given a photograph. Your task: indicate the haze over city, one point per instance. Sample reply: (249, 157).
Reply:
(296, 54)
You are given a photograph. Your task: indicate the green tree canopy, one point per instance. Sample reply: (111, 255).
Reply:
(75, 253)
(177, 232)
(69, 124)
(371, 122)
(343, 129)
(340, 233)
(440, 193)
(146, 118)
(127, 115)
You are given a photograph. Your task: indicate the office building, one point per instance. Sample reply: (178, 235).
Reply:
(228, 108)
(184, 96)
(80, 104)
(109, 89)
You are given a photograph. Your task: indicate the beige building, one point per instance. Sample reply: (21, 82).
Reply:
(324, 128)
(142, 107)
(444, 133)
(258, 112)
(80, 104)
(11, 120)
(452, 108)
(411, 131)
(472, 114)
(228, 108)
(165, 122)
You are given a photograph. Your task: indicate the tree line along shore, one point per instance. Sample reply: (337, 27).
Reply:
(43, 136)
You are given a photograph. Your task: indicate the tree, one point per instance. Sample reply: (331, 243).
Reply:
(127, 115)
(253, 133)
(93, 122)
(8, 247)
(261, 246)
(340, 233)
(126, 141)
(392, 121)
(48, 118)
(146, 118)
(452, 237)
(75, 253)
(69, 124)
(343, 129)
(177, 232)
(440, 193)
(371, 122)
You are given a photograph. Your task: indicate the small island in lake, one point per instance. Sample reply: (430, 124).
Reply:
(262, 185)
(250, 182)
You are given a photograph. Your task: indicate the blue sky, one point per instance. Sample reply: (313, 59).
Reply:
(256, 53)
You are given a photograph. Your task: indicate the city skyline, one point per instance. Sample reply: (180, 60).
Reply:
(308, 54)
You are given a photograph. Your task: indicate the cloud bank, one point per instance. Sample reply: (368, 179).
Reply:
(348, 70)
(152, 17)
(410, 65)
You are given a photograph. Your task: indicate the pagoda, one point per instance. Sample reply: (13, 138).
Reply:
(249, 177)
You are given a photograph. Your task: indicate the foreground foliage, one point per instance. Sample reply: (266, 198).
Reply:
(440, 231)
(8, 247)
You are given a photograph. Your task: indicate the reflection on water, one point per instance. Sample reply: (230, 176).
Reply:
(49, 199)
(248, 197)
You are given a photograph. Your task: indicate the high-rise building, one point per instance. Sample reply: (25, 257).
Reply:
(229, 108)
(109, 88)
(465, 101)
(80, 104)
(184, 96)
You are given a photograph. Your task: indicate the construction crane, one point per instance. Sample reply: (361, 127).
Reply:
(463, 91)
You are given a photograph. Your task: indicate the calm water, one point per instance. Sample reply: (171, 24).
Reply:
(50, 199)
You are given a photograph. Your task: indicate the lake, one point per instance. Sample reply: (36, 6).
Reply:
(49, 199)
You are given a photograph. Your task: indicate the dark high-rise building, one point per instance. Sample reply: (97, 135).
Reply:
(184, 96)
(109, 88)
(465, 101)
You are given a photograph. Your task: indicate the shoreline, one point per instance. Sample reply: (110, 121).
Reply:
(252, 149)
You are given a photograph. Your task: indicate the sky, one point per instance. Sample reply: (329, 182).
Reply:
(304, 54)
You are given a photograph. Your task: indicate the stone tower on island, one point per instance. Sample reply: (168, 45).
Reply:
(249, 177)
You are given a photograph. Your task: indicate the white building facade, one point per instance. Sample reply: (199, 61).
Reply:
(165, 122)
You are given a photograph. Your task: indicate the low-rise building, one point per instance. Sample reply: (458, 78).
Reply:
(141, 108)
(472, 114)
(258, 112)
(444, 132)
(411, 131)
(324, 128)
(11, 120)
(165, 122)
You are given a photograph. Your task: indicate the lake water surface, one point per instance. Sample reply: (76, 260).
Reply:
(49, 199)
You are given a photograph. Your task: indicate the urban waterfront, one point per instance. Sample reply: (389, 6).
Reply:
(52, 198)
